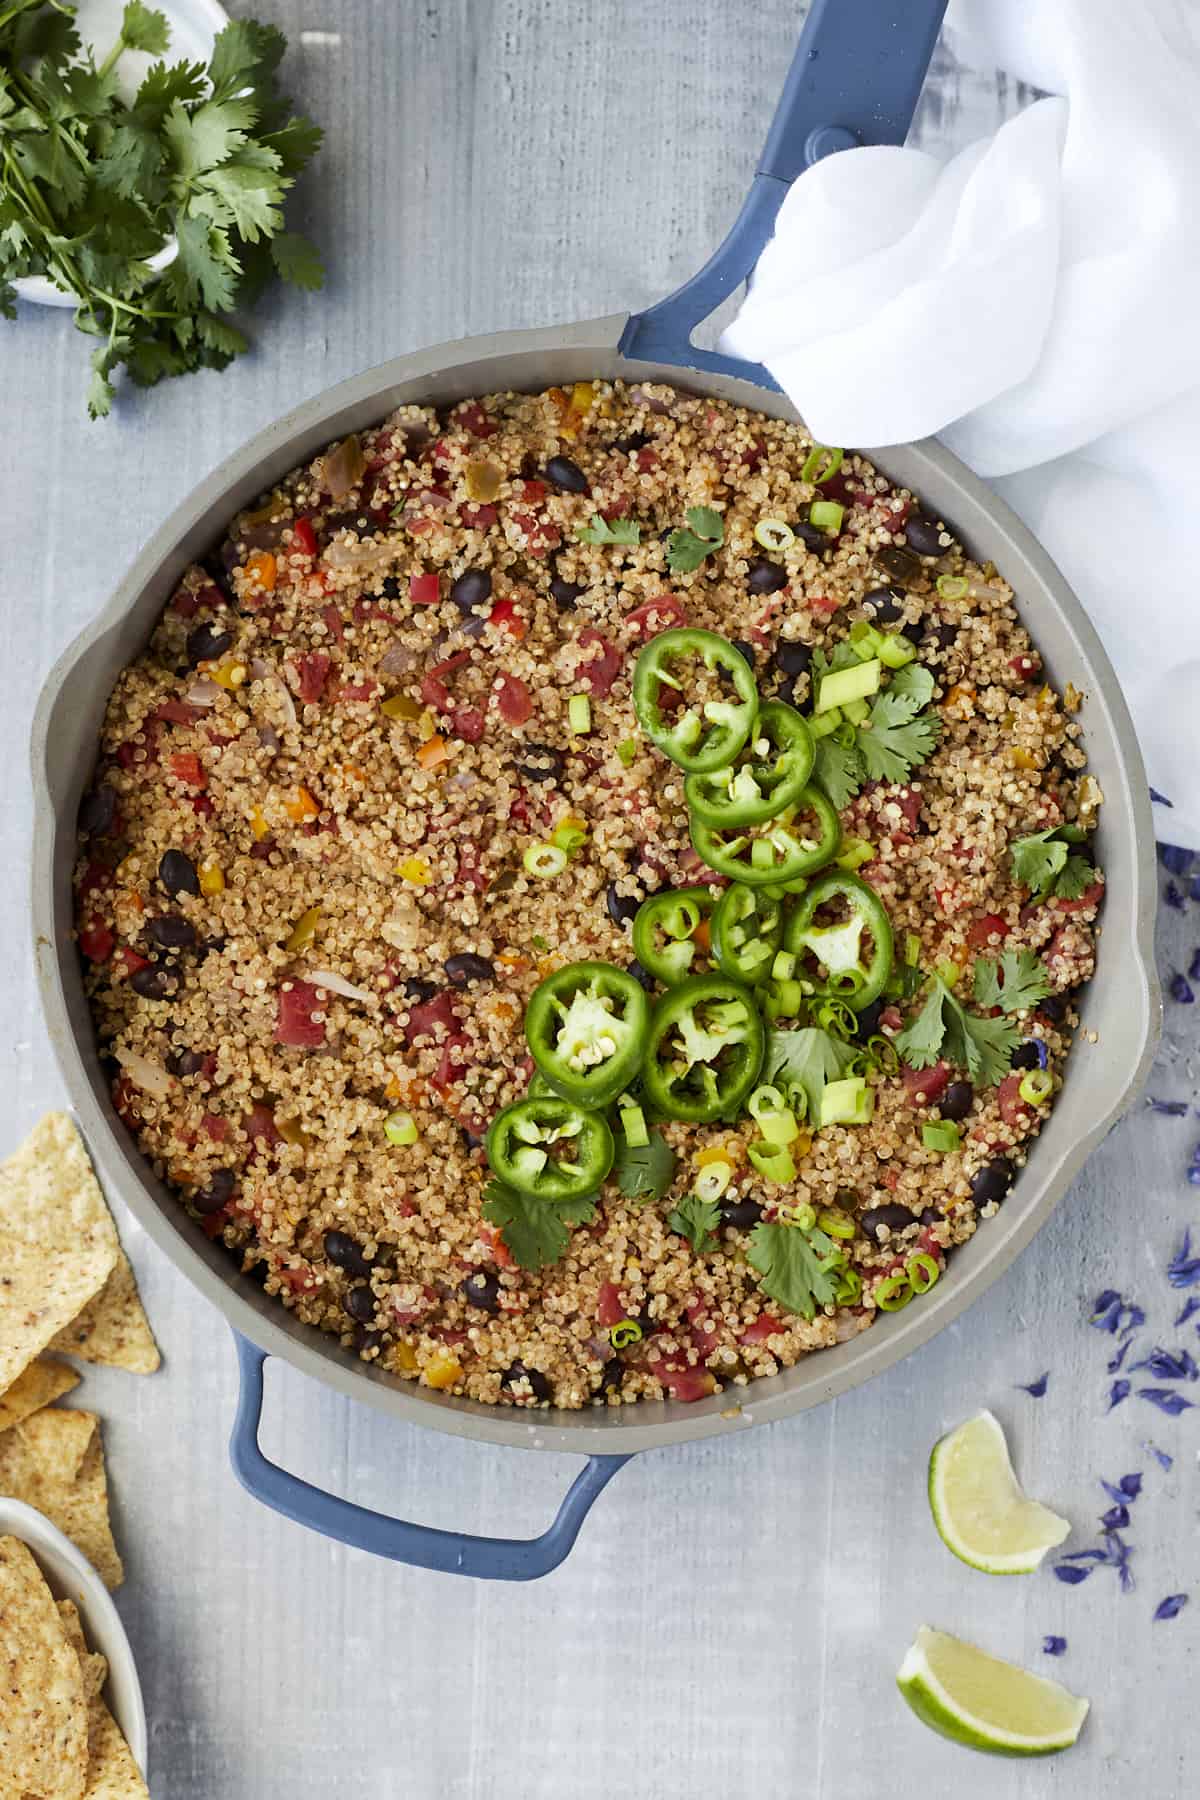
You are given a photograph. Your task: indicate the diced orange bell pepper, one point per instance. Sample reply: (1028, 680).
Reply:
(303, 807)
(263, 570)
(433, 752)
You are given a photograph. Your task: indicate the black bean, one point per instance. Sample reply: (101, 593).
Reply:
(342, 1250)
(924, 536)
(895, 1217)
(389, 587)
(899, 563)
(765, 576)
(517, 1371)
(543, 763)
(567, 475)
(637, 440)
(482, 1289)
(942, 635)
(811, 536)
(565, 593)
(419, 990)
(931, 1216)
(1054, 1008)
(471, 589)
(218, 1193)
(792, 659)
(612, 1375)
(621, 907)
(471, 1139)
(741, 1214)
(172, 932)
(188, 1062)
(466, 967)
(785, 689)
(205, 644)
(886, 604)
(642, 976)
(992, 1182)
(957, 1100)
(474, 624)
(355, 520)
(360, 1304)
(177, 873)
(258, 1272)
(153, 982)
(98, 811)
(1026, 1056)
(868, 1020)
(746, 649)
(365, 1338)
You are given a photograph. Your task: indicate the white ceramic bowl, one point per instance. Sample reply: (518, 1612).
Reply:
(70, 1576)
(194, 24)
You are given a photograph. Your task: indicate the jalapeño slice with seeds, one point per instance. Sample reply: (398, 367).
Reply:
(665, 932)
(770, 774)
(705, 1050)
(586, 1029)
(841, 937)
(550, 1148)
(804, 837)
(701, 730)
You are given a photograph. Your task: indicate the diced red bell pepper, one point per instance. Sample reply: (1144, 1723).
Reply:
(424, 590)
(186, 766)
(646, 460)
(134, 755)
(989, 926)
(533, 491)
(334, 623)
(313, 670)
(96, 879)
(362, 690)
(185, 603)
(765, 1326)
(451, 1062)
(825, 604)
(202, 806)
(216, 1127)
(599, 671)
(693, 865)
(610, 1308)
(133, 960)
(474, 420)
(304, 538)
(424, 1019)
(539, 536)
(505, 615)
(512, 700)
(1013, 1110)
(96, 941)
(663, 613)
(468, 723)
(479, 518)
(294, 1022)
(469, 874)
(213, 1224)
(433, 689)
(259, 1126)
(925, 1087)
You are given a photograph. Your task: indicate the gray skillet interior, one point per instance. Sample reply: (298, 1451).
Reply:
(1121, 1006)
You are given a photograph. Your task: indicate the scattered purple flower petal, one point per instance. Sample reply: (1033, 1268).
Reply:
(1173, 896)
(1120, 1555)
(1183, 1270)
(1117, 1495)
(1118, 1356)
(1035, 1388)
(1054, 1646)
(1172, 1109)
(1193, 1175)
(1188, 1310)
(1084, 1556)
(1160, 799)
(1194, 889)
(1171, 1607)
(1117, 1392)
(1071, 1573)
(1131, 1485)
(1174, 858)
(1113, 1313)
(1180, 988)
(1115, 1519)
(1165, 1399)
(1160, 1456)
(1169, 1365)
(1194, 966)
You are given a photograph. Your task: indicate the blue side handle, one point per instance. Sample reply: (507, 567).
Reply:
(449, 1552)
(855, 79)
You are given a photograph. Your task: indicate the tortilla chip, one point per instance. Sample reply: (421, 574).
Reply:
(54, 1460)
(93, 1665)
(39, 1384)
(113, 1328)
(57, 1241)
(44, 1724)
(112, 1772)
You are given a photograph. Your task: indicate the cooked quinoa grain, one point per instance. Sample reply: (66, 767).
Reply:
(310, 925)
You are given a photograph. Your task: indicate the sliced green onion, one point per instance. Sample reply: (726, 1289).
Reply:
(773, 1116)
(835, 1223)
(883, 1053)
(941, 1134)
(400, 1128)
(843, 686)
(772, 1161)
(835, 1017)
(856, 711)
(849, 1102)
(783, 999)
(894, 1293)
(569, 837)
(912, 949)
(952, 587)
(1036, 1087)
(896, 650)
(545, 860)
(579, 714)
(801, 1215)
(822, 463)
(849, 1287)
(784, 966)
(825, 724)
(633, 1124)
(712, 1180)
(923, 1270)
(855, 852)
(538, 943)
(624, 1333)
(827, 516)
(627, 749)
(774, 534)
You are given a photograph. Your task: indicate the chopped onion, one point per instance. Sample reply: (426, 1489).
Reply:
(326, 978)
(463, 781)
(641, 397)
(259, 668)
(397, 661)
(343, 467)
(203, 692)
(979, 590)
(268, 737)
(152, 1078)
(289, 705)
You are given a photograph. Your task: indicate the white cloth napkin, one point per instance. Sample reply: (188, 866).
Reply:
(1034, 302)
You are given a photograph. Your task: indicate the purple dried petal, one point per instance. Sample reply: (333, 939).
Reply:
(1194, 889)
(1106, 1314)
(1188, 1310)
(1165, 1399)
(1084, 1556)
(1035, 1388)
(1160, 1456)
(1071, 1573)
(1116, 1494)
(1171, 1607)
(1118, 1356)
(1180, 988)
(1120, 1555)
(1117, 1392)
(1169, 1365)
(1131, 1485)
(1171, 1109)
(1174, 897)
(1174, 858)
(1115, 1519)
(1194, 966)
(1160, 799)
(1183, 1270)
(1193, 1175)
(1054, 1646)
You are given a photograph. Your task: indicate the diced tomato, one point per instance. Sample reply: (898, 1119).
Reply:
(186, 604)
(468, 723)
(1091, 896)
(539, 536)
(186, 766)
(646, 460)
(294, 1022)
(96, 941)
(926, 1086)
(1013, 1110)
(681, 1382)
(512, 700)
(362, 690)
(126, 1099)
(825, 604)
(703, 1336)
(909, 802)
(300, 1281)
(693, 865)
(216, 1127)
(990, 925)
(424, 590)
(424, 1019)
(133, 755)
(501, 1254)
(599, 671)
(533, 491)
(439, 454)
(433, 689)
(1026, 665)
(259, 1127)
(314, 669)
(213, 1224)
(133, 960)
(177, 712)
(505, 615)
(891, 1018)
(96, 878)
(754, 456)
(202, 806)
(890, 1179)
(417, 526)
(893, 514)
(451, 1062)
(610, 1308)
(304, 538)
(334, 623)
(469, 874)
(474, 420)
(660, 614)
(479, 518)
(764, 1327)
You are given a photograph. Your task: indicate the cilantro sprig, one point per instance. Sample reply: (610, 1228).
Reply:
(687, 549)
(1015, 983)
(610, 531)
(92, 187)
(898, 736)
(644, 1171)
(944, 1028)
(1046, 865)
(535, 1231)
(798, 1268)
(803, 1063)
(697, 1221)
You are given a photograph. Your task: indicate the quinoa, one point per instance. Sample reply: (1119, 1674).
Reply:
(349, 726)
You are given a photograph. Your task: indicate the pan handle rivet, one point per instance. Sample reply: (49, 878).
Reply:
(823, 140)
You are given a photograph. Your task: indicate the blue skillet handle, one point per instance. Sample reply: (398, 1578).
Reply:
(448, 1552)
(855, 79)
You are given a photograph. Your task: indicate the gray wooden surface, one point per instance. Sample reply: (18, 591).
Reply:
(732, 1616)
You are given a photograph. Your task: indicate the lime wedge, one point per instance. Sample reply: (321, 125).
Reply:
(984, 1703)
(978, 1506)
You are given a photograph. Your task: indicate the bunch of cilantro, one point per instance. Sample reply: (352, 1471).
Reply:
(91, 188)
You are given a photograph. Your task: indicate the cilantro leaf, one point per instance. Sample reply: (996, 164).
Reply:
(203, 139)
(295, 144)
(1038, 859)
(803, 1062)
(205, 266)
(1075, 878)
(243, 55)
(297, 260)
(797, 1268)
(535, 1231)
(697, 1221)
(609, 531)
(1016, 982)
(839, 770)
(944, 1028)
(245, 197)
(913, 683)
(142, 29)
(162, 87)
(644, 1172)
(687, 549)
(894, 742)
